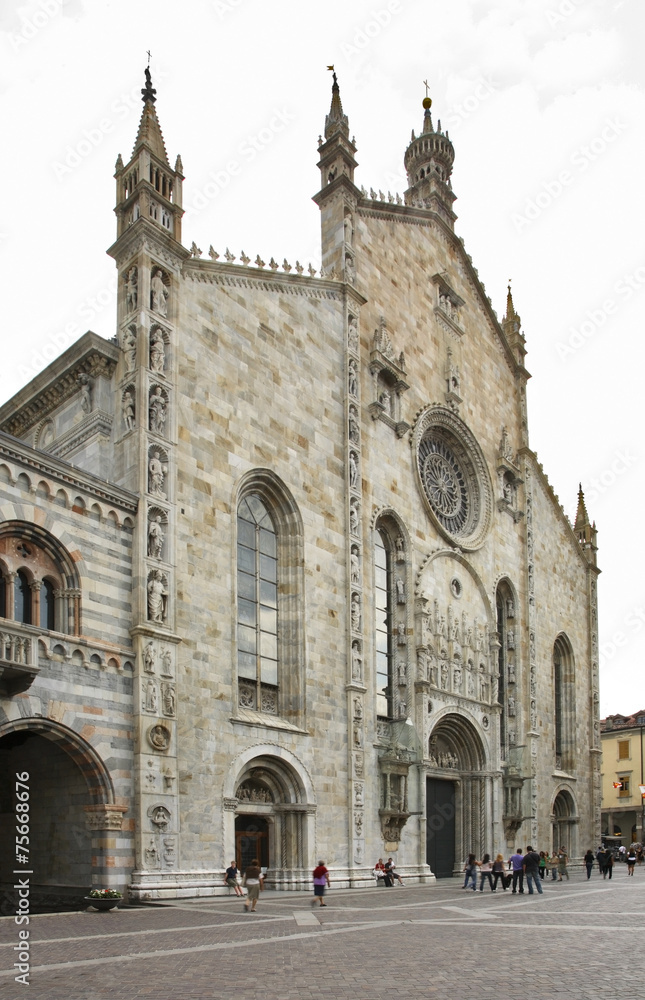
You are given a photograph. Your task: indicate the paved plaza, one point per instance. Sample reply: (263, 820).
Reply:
(579, 939)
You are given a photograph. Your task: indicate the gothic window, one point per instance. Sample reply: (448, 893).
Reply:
(47, 605)
(257, 596)
(270, 636)
(3, 598)
(564, 703)
(383, 623)
(22, 599)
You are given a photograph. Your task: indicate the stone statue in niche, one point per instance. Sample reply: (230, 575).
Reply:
(510, 639)
(353, 470)
(350, 269)
(150, 696)
(353, 518)
(357, 737)
(471, 685)
(156, 474)
(149, 658)
(357, 662)
(403, 710)
(402, 673)
(131, 283)
(401, 638)
(157, 351)
(168, 698)
(86, 392)
(456, 677)
(352, 382)
(510, 608)
(358, 824)
(151, 856)
(355, 612)
(444, 675)
(511, 673)
(158, 294)
(400, 548)
(157, 411)
(349, 230)
(355, 565)
(155, 537)
(358, 709)
(358, 765)
(127, 409)
(353, 425)
(400, 590)
(129, 348)
(157, 596)
(511, 706)
(386, 401)
(352, 334)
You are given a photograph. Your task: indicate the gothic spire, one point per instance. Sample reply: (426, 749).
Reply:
(582, 518)
(149, 133)
(586, 532)
(336, 121)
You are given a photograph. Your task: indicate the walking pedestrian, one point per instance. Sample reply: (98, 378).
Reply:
(233, 878)
(542, 864)
(321, 882)
(563, 857)
(532, 870)
(516, 864)
(630, 858)
(589, 860)
(471, 873)
(601, 858)
(486, 872)
(609, 863)
(254, 882)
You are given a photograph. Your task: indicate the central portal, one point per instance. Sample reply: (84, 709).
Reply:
(440, 826)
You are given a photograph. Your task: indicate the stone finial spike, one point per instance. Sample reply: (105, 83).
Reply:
(336, 121)
(259, 261)
(245, 260)
(582, 518)
(179, 167)
(212, 252)
(273, 264)
(286, 266)
(230, 257)
(312, 270)
(299, 267)
(194, 250)
(119, 163)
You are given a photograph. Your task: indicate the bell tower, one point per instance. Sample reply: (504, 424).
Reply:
(428, 161)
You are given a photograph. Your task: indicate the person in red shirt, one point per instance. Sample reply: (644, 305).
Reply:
(321, 882)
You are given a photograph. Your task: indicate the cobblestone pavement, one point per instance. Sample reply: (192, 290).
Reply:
(579, 939)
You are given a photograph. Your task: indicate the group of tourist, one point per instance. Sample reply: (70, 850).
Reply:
(532, 866)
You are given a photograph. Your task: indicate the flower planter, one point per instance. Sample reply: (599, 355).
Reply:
(101, 904)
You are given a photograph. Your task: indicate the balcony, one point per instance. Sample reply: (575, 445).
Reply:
(18, 658)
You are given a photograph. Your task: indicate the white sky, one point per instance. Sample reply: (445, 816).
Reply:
(544, 101)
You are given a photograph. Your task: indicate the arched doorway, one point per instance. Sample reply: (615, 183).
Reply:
(565, 820)
(71, 804)
(456, 795)
(272, 812)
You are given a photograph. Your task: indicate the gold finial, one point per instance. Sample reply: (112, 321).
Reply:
(427, 100)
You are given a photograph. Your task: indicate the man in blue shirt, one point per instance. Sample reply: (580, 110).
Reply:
(516, 864)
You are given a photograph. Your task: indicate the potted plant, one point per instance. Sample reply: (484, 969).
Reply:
(103, 899)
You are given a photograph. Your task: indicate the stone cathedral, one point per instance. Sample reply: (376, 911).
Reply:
(280, 574)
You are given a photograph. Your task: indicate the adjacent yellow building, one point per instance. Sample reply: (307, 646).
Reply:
(622, 776)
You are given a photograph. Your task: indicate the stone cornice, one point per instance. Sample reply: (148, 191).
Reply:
(144, 235)
(96, 423)
(237, 275)
(90, 355)
(59, 471)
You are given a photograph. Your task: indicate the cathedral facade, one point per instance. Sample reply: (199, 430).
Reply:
(281, 575)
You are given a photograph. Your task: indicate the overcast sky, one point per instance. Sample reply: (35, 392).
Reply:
(544, 101)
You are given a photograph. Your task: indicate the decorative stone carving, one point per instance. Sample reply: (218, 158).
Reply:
(151, 856)
(355, 612)
(129, 348)
(402, 673)
(358, 765)
(169, 854)
(155, 536)
(352, 334)
(399, 545)
(158, 294)
(354, 517)
(251, 791)
(358, 708)
(131, 289)
(400, 590)
(156, 473)
(157, 351)
(157, 596)
(128, 409)
(510, 706)
(166, 663)
(358, 794)
(157, 410)
(352, 380)
(159, 737)
(510, 639)
(150, 696)
(353, 470)
(355, 565)
(85, 386)
(149, 657)
(401, 638)
(348, 229)
(354, 431)
(357, 662)
(168, 698)
(160, 817)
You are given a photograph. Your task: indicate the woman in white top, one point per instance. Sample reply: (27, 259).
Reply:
(486, 872)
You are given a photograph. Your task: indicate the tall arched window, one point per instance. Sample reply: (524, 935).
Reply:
(257, 599)
(3, 598)
(507, 694)
(270, 608)
(22, 599)
(564, 704)
(383, 624)
(47, 605)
